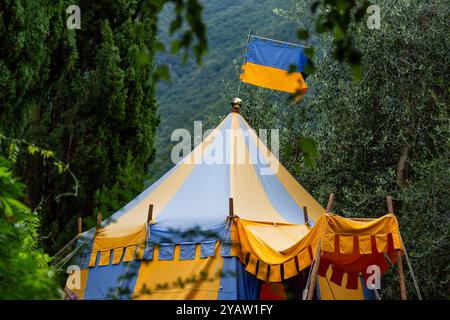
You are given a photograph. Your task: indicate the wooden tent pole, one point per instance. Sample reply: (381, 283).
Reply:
(99, 219)
(305, 215)
(79, 225)
(390, 204)
(312, 285)
(231, 208)
(330, 203)
(150, 214)
(401, 274)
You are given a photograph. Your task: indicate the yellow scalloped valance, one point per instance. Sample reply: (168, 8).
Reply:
(273, 252)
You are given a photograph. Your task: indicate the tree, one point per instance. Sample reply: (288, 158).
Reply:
(89, 96)
(100, 117)
(386, 134)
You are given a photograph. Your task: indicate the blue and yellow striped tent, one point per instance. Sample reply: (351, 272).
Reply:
(217, 219)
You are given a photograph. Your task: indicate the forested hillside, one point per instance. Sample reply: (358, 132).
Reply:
(193, 91)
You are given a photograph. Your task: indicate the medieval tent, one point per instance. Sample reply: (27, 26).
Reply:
(230, 222)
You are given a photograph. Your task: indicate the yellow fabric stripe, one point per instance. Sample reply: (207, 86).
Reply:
(93, 259)
(299, 194)
(262, 271)
(102, 243)
(104, 258)
(279, 237)
(273, 78)
(275, 273)
(249, 243)
(117, 255)
(331, 291)
(290, 269)
(250, 199)
(160, 280)
(129, 253)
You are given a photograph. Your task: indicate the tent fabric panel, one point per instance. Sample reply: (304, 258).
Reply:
(94, 259)
(166, 252)
(206, 190)
(279, 237)
(105, 257)
(275, 191)
(129, 253)
(244, 181)
(148, 252)
(251, 265)
(133, 216)
(334, 241)
(105, 282)
(368, 294)
(187, 251)
(331, 291)
(207, 249)
(236, 283)
(289, 269)
(82, 260)
(101, 243)
(291, 185)
(159, 280)
(193, 235)
(275, 273)
(117, 255)
(263, 269)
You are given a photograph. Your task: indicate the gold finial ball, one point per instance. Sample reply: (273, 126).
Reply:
(236, 102)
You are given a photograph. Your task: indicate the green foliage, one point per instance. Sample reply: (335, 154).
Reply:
(129, 183)
(24, 271)
(101, 116)
(88, 95)
(387, 134)
(336, 17)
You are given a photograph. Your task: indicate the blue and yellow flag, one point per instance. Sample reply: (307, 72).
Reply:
(267, 64)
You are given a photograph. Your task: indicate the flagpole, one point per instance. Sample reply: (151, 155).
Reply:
(243, 62)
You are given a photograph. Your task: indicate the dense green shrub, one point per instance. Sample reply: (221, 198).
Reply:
(24, 270)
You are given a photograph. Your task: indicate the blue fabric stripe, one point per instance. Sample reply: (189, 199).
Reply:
(226, 245)
(207, 249)
(367, 293)
(187, 251)
(202, 200)
(277, 55)
(112, 281)
(192, 235)
(236, 283)
(148, 253)
(319, 297)
(166, 251)
(275, 191)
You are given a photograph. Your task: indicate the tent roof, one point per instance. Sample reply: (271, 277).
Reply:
(231, 162)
